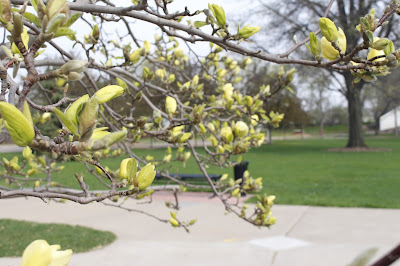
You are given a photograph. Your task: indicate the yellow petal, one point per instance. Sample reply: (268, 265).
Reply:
(37, 253)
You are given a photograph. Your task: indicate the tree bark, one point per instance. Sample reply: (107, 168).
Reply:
(353, 95)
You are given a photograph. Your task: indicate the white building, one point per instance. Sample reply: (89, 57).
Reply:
(390, 120)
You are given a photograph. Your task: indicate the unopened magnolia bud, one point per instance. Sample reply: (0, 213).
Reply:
(380, 44)
(328, 51)
(87, 119)
(74, 66)
(248, 31)
(173, 222)
(235, 192)
(73, 76)
(241, 129)
(27, 153)
(170, 105)
(108, 93)
(226, 134)
(72, 110)
(19, 125)
(128, 169)
(18, 25)
(389, 48)
(248, 100)
(202, 128)
(135, 56)
(185, 137)
(186, 156)
(108, 140)
(328, 29)
(145, 177)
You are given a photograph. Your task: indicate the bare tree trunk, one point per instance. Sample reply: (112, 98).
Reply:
(269, 131)
(353, 95)
(377, 125)
(396, 129)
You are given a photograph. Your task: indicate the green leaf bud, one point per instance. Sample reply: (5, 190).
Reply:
(315, 45)
(218, 13)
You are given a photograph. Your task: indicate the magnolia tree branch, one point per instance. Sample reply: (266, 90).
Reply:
(191, 31)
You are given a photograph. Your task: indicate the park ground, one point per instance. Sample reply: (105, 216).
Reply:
(299, 172)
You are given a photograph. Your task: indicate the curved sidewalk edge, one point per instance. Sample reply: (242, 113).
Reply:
(303, 235)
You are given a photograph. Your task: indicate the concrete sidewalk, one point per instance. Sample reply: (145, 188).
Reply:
(302, 236)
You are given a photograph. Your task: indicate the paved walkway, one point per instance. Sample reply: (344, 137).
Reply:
(303, 235)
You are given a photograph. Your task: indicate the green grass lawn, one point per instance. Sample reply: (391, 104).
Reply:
(303, 172)
(77, 238)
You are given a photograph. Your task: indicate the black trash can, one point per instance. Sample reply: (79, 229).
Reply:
(240, 168)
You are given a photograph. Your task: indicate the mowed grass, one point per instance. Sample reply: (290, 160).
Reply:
(16, 235)
(301, 172)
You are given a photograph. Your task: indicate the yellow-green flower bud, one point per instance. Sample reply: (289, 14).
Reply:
(328, 29)
(135, 56)
(145, 177)
(146, 45)
(202, 128)
(254, 120)
(167, 158)
(185, 137)
(271, 220)
(235, 192)
(160, 73)
(241, 129)
(173, 222)
(73, 76)
(27, 153)
(108, 140)
(19, 126)
(77, 66)
(32, 171)
(128, 169)
(380, 44)
(248, 31)
(186, 156)
(328, 51)
(228, 91)
(170, 105)
(248, 100)
(87, 118)
(178, 53)
(108, 93)
(122, 83)
(226, 134)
